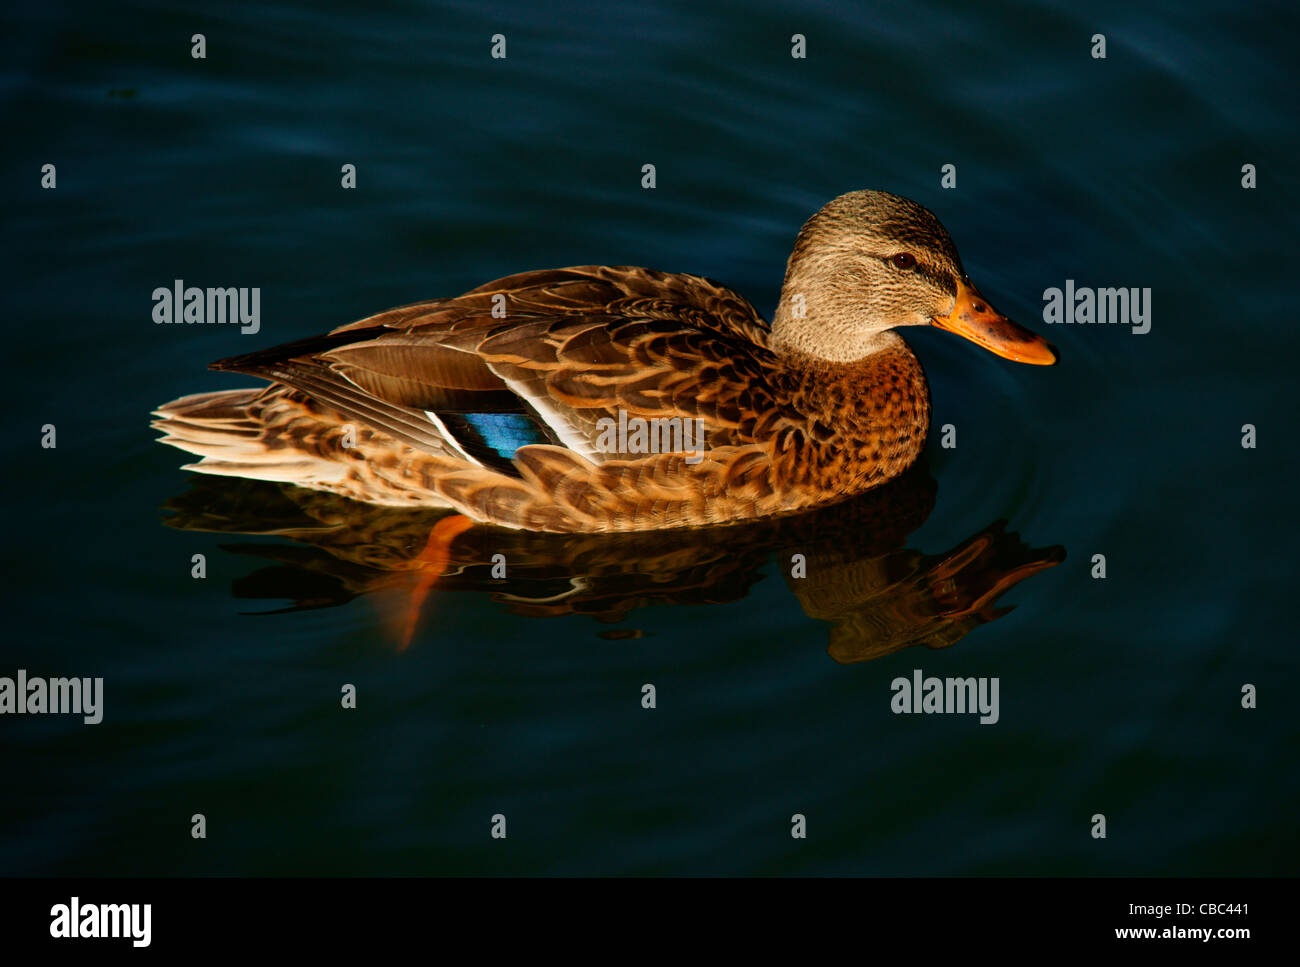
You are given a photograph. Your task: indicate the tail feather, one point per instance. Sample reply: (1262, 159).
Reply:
(224, 429)
(223, 405)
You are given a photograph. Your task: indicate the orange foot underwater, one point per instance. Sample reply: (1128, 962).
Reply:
(430, 565)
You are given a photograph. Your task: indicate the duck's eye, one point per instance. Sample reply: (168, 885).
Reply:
(904, 260)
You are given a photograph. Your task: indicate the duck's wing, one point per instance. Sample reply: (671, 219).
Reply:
(543, 358)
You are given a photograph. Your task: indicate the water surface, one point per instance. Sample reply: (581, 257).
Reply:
(1118, 696)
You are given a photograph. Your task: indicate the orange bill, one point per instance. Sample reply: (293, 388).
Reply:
(973, 318)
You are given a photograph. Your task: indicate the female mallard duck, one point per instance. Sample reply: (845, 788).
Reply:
(531, 402)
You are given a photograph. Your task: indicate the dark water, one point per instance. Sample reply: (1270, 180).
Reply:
(1119, 696)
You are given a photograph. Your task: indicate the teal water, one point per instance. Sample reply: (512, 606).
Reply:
(1119, 696)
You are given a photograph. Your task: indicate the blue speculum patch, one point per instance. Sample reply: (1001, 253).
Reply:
(505, 432)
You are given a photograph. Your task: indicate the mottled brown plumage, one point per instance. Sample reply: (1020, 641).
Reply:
(824, 405)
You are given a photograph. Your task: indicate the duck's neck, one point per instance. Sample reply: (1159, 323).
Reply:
(851, 346)
(815, 317)
(799, 329)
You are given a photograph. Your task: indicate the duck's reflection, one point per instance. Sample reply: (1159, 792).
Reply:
(846, 564)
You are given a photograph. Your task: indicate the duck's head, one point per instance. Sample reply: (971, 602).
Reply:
(870, 262)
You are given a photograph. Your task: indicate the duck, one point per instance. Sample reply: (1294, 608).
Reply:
(611, 399)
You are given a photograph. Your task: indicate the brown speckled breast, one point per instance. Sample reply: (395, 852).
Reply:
(866, 422)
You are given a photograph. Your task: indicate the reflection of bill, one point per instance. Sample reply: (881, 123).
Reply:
(635, 436)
